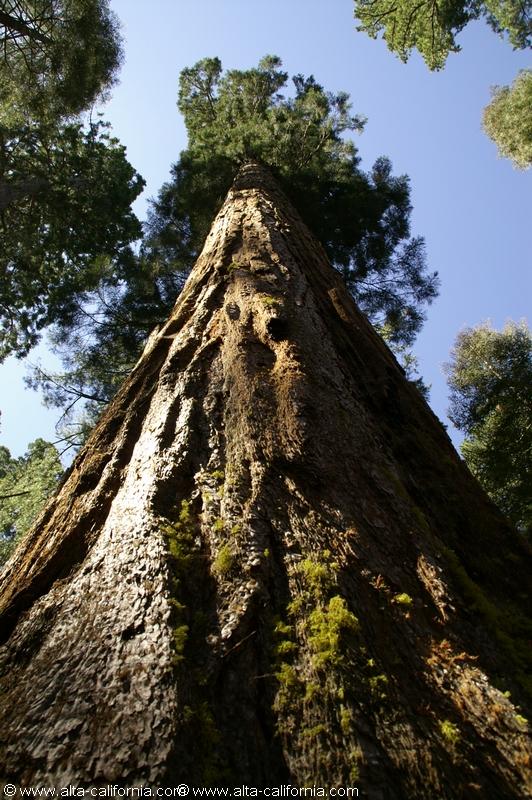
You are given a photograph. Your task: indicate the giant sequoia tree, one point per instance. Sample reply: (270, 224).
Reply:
(268, 564)
(361, 218)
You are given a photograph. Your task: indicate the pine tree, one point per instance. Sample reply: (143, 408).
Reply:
(267, 565)
(25, 485)
(66, 187)
(490, 382)
(508, 121)
(65, 223)
(432, 28)
(57, 57)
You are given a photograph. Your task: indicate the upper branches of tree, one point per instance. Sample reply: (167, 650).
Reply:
(66, 188)
(508, 120)
(362, 219)
(56, 57)
(65, 221)
(490, 378)
(431, 26)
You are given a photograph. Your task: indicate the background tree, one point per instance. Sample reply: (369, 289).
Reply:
(57, 56)
(508, 119)
(431, 27)
(65, 187)
(362, 219)
(490, 378)
(65, 216)
(25, 485)
(99, 345)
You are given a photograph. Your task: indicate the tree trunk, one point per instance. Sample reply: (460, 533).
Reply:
(268, 565)
(14, 192)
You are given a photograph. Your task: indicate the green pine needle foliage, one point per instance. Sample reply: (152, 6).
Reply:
(508, 120)
(25, 485)
(490, 378)
(58, 57)
(432, 27)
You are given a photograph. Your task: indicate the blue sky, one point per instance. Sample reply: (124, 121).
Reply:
(472, 208)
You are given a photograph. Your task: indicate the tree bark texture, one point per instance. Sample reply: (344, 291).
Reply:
(268, 564)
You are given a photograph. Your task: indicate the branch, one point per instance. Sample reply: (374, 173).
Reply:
(78, 393)
(410, 18)
(18, 25)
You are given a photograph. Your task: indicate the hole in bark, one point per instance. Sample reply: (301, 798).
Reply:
(131, 631)
(259, 355)
(277, 328)
(232, 311)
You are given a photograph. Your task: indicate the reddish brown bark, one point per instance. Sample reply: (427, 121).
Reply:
(268, 564)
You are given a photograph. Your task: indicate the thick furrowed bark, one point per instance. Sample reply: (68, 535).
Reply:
(268, 564)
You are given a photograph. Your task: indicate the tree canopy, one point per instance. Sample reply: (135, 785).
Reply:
(57, 56)
(65, 215)
(431, 27)
(25, 485)
(362, 219)
(508, 119)
(66, 187)
(490, 378)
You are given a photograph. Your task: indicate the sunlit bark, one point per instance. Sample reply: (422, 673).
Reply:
(262, 567)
